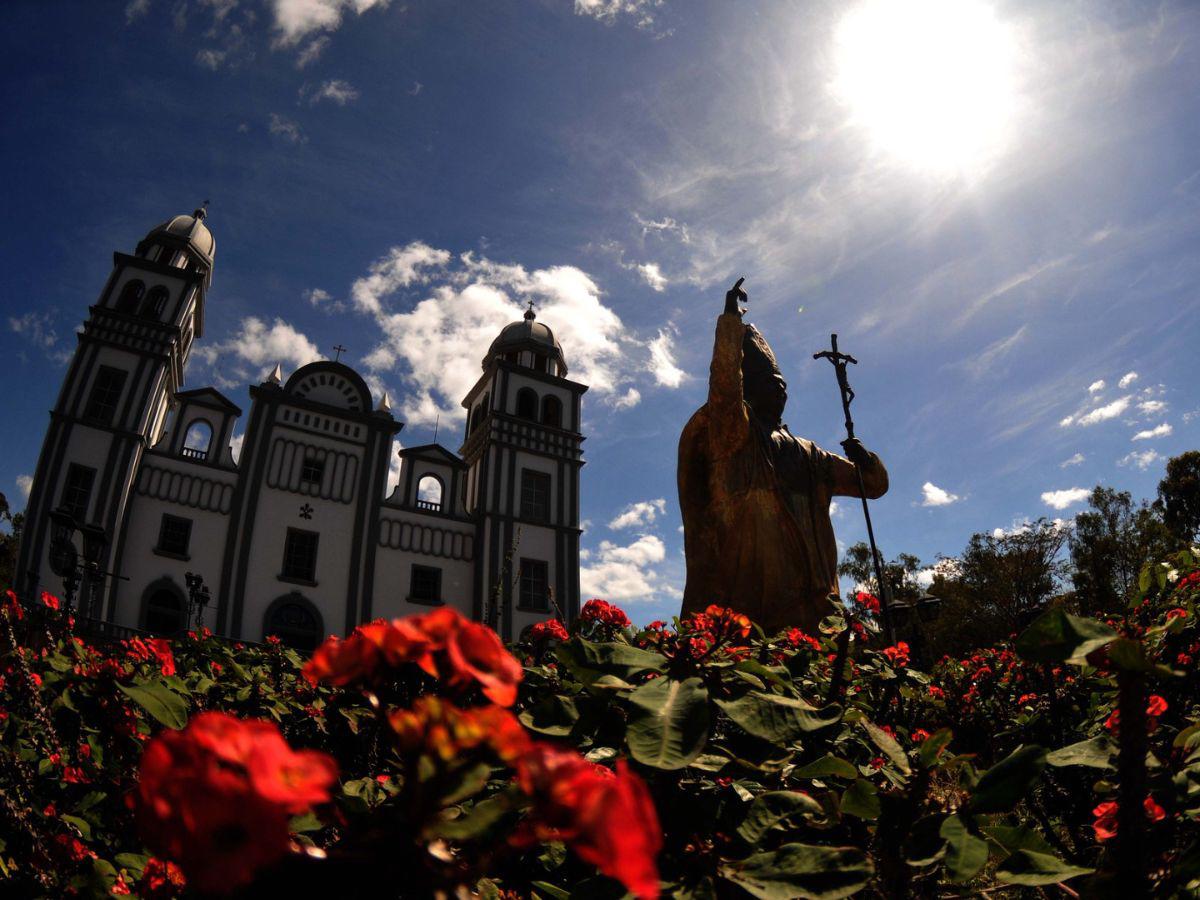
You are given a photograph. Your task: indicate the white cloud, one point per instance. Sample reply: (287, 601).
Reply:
(663, 227)
(1143, 459)
(932, 495)
(136, 9)
(297, 19)
(1064, 498)
(1020, 526)
(401, 267)
(609, 11)
(1072, 461)
(437, 344)
(24, 485)
(1127, 379)
(835, 509)
(335, 90)
(1096, 386)
(286, 129)
(1103, 413)
(34, 327)
(622, 573)
(312, 51)
(985, 361)
(1150, 433)
(262, 347)
(323, 300)
(653, 276)
(1150, 407)
(662, 361)
(393, 476)
(235, 445)
(643, 512)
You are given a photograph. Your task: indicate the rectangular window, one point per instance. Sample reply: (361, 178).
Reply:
(77, 491)
(312, 471)
(426, 585)
(300, 555)
(106, 394)
(535, 584)
(535, 496)
(174, 535)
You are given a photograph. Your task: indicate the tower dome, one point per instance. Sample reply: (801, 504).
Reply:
(532, 336)
(183, 232)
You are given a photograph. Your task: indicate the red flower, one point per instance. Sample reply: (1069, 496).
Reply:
(161, 650)
(551, 629)
(476, 653)
(1157, 706)
(1154, 812)
(600, 611)
(608, 820)
(868, 602)
(120, 888)
(1105, 825)
(798, 638)
(12, 606)
(161, 879)
(1177, 613)
(897, 655)
(920, 735)
(217, 797)
(52, 602)
(936, 692)
(877, 762)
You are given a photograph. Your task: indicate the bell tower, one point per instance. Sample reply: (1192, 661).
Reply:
(113, 403)
(524, 451)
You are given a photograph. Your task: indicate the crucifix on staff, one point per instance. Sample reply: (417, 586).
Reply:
(754, 497)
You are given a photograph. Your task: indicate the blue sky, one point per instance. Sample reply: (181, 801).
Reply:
(996, 209)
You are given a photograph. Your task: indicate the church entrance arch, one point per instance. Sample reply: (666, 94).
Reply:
(295, 621)
(164, 608)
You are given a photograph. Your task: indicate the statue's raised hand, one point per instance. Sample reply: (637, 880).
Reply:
(733, 297)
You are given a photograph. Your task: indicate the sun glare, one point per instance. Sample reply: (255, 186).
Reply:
(931, 80)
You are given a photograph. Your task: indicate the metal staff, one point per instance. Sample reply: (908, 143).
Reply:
(840, 361)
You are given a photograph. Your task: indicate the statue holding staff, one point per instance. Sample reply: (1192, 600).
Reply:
(755, 498)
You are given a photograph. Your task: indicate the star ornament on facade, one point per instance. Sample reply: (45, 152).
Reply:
(306, 511)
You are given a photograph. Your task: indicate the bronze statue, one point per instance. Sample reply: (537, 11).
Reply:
(755, 499)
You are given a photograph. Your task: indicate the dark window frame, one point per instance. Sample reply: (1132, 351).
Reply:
(534, 590)
(527, 404)
(155, 303)
(310, 465)
(130, 297)
(181, 526)
(552, 411)
(105, 395)
(300, 559)
(536, 490)
(76, 497)
(429, 598)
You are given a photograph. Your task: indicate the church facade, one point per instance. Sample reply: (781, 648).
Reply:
(137, 492)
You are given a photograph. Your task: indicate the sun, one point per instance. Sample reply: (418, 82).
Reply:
(931, 80)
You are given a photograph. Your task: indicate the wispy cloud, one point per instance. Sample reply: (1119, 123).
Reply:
(1156, 432)
(985, 361)
(1099, 414)
(287, 129)
(1127, 379)
(653, 276)
(640, 12)
(24, 485)
(335, 90)
(642, 513)
(1097, 386)
(662, 360)
(1072, 461)
(1143, 459)
(254, 349)
(295, 20)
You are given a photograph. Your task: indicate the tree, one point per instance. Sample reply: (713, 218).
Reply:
(900, 573)
(1013, 575)
(1110, 544)
(1179, 494)
(10, 541)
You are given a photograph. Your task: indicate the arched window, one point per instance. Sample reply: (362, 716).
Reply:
(429, 493)
(552, 411)
(198, 440)
(527, 404)
(163, 609)
(295, 621)
(154, 304)
(167, 255)
(131, 295)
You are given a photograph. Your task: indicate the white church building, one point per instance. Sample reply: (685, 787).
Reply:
(137, 492)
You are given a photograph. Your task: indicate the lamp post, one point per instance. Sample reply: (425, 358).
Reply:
(198, 597)
(64, 558)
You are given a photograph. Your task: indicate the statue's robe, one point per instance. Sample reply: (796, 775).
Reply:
(755, 504)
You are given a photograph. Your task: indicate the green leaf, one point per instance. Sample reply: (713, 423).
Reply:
(307, 822)
(780, 720)
(932, 746)
(482, 816)
(553, 715)
(861, 799)
(1057, 635)
(802, 870)
(554, 893)
(965, 852)
(1010, 838)
(668, 722)
(1002, 786)
(82, 825)
(924, 844)
(162, 703)
(588, 661)
(1031, 868)
(888, 745)
(827, 766)
(1096, 753)
(134, 862)
(772, 808)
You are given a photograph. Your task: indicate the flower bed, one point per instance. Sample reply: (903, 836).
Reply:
(421, 757)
